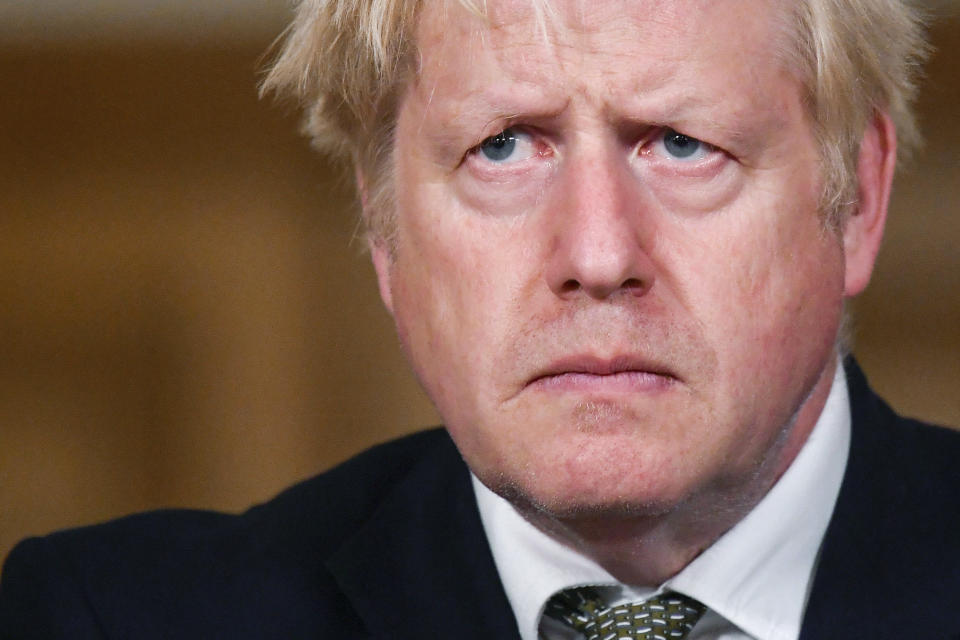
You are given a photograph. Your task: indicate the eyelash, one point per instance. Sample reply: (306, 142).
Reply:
(709, 157)
(649, 146)
(491, 170)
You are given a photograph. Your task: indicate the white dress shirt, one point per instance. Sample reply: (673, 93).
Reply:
(754, 579)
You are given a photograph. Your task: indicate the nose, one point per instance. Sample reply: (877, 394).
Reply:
(598, 241)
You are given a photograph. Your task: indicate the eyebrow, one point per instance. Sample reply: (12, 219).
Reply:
(470, 114)
(469, 117)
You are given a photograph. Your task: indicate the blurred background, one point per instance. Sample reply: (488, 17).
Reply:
(186, 315)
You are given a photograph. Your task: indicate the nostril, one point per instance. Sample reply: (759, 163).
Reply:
(633, 285)
(569, 286)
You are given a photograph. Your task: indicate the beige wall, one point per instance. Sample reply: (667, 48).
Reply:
(185, 318)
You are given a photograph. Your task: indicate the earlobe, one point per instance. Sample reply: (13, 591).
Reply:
(863, 230)
(379, 251)
(382, 258)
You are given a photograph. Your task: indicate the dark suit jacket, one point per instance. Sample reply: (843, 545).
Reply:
(390, 545)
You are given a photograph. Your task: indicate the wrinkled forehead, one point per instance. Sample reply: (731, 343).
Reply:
(519, 33)
(638, 46)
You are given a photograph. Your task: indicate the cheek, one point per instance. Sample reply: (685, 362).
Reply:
(429, 324)
(763, 278)
(451, 301)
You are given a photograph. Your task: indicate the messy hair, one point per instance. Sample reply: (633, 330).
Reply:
(854, 58)
(348, 61)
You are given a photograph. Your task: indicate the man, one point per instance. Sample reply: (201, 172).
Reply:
(616, 238)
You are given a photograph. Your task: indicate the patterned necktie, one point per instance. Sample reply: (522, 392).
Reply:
(668, 616)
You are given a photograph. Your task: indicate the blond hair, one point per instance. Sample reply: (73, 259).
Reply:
(347, 62)
(854, 58)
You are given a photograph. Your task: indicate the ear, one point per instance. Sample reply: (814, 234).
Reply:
(863, 230)
(379, 251)
(382, 263)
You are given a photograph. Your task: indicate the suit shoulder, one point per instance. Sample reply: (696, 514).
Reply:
(177, 566)
(923, 453)
(893, 530)
(337, 496)
(926, 462)
(368, 474)
(916, 454)
(44, 589)
(341, 498)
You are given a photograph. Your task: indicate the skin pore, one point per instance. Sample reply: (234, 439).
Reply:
(609, 271)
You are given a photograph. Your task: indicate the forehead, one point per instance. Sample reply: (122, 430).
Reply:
(614, 51)
(582, 22)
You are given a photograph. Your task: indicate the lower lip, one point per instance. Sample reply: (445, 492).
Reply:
(620, 382)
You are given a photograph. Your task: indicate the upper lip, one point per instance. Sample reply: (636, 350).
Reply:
(599, 366)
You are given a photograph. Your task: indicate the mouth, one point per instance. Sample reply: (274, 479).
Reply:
(592, 374)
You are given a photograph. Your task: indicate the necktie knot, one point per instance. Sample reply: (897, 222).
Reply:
(669, 616)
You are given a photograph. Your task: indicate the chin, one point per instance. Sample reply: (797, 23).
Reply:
(579, 459)
(567, 491)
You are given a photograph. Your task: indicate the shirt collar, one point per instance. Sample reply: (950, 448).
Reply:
(756, 575)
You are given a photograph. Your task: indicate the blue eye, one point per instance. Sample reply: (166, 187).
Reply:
(500, 147)
(679, 145)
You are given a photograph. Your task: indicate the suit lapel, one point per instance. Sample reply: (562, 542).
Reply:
(843, 582)
(882, 569)
(421, 566)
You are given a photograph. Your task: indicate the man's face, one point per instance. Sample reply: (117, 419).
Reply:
(625, 299)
